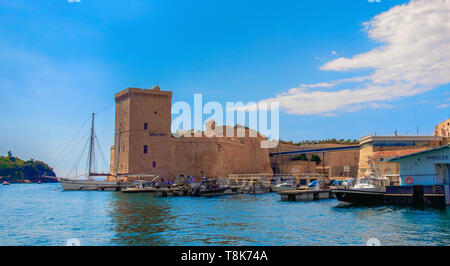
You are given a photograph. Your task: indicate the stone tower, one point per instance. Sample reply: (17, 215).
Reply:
(142, 132)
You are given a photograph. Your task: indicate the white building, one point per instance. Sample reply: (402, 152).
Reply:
(426, 168)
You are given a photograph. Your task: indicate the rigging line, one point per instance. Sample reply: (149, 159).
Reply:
(79, 159)
(104, 109)
(101, 152)
(73, 147)
(70, 142)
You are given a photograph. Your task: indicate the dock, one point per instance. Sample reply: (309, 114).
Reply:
(161, 191)
(306, 195)
(172, 192)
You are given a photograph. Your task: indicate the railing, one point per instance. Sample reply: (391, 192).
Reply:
(275, 178)
(298, 175)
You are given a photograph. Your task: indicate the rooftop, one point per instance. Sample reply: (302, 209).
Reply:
(370, 138)
(394, 153)
(419, 152)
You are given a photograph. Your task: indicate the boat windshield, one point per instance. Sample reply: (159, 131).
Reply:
(374, 181)
(208, 183)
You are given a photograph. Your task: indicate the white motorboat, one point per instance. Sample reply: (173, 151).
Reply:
(369, 189)
(255, 188)
(289, 184)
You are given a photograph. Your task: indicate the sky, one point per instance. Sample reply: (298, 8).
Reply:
(339, 69)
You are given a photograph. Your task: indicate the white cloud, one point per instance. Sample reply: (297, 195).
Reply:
(414, 57)
(318, 85)
(334, 82)
(333, 52)
(445, 105)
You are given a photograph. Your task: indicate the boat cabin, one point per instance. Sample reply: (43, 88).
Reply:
(372, 182)
(209, 183)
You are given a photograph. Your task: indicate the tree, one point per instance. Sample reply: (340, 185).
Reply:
(315, 158)
(301, 157)
(10, 157)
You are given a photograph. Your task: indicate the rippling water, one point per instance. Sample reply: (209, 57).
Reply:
(32, 214)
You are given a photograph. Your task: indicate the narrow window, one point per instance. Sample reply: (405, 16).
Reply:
(145, 126)
(154, 164)
(145, 148)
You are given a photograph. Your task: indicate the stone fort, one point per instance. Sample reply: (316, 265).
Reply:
(144, 144)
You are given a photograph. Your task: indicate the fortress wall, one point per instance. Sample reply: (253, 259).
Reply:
(144, 117)
(200, 157)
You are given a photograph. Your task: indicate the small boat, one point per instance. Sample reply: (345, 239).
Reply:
(6, 183)
(368, 190)
(255, 188)
(211, 188)
(39, 182)
(144, 186)
(288, 184)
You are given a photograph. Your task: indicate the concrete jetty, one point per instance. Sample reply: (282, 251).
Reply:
(306, 195)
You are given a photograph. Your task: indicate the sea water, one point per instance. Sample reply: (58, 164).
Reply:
(43, 214)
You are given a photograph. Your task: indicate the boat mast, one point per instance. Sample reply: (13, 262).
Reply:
(91, 149)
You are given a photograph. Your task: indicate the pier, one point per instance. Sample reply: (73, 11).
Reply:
(172, 192)
(161, 191)
(306, 195)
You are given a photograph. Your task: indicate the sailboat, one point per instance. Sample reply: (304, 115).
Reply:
(88, 182)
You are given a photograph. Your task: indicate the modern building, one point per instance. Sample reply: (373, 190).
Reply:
(144, 144)
(336, 161)
(430, 167)
(378, 149)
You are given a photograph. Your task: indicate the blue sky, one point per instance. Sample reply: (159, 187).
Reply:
(61, 61)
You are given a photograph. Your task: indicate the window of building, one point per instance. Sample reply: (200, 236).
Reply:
(154, 164)
(145, 126)
(145, 148)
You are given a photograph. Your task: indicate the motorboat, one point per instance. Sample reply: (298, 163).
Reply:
(288, 184)
(368, 190)
(255, 188)
(210, 188)
(140, 186)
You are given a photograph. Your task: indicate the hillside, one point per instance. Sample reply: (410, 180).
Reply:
(16, 170)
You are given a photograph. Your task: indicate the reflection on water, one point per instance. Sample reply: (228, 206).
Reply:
(402, 225)
(138, 219)
(32, 214)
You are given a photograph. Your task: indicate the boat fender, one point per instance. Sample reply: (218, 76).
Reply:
(409, 180)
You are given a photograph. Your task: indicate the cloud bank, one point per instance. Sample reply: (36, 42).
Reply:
(414, 57)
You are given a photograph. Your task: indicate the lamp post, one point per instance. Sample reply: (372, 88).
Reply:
(219, 161)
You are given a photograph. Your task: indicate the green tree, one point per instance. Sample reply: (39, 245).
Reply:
(10, 156)
(301, 157)
(315, 158)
